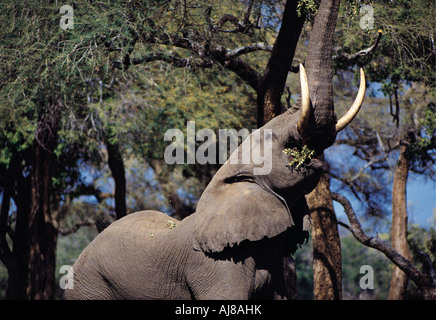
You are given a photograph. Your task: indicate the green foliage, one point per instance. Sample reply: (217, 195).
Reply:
(400, 81)
(299, 158)
(422, 240)
(41, 62)
(307, 7)
(423, 150)
(354, 256)
(303, 258)
(422, 243)
(405, 49)
(105, 97)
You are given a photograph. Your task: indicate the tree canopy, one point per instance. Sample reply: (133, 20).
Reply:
(94, 101)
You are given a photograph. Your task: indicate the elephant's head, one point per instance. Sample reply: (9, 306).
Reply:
(264, 195)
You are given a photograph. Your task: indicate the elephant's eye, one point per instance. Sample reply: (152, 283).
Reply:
(239, 178)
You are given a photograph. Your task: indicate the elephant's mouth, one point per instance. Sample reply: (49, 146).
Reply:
(304, 159)
(318, 165)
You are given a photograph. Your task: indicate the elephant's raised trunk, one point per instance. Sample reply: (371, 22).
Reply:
(317, 123)
(305, 104)
(321, 130)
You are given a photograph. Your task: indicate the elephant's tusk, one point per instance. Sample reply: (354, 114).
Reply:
(352, 112)
(305, 102)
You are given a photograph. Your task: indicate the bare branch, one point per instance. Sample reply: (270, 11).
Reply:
(370, 163)
(248, 12)
(91, 190)
(351, 184)
(177, 62)
(346, 226)
(240, 27)
(73, 229)
(247, 49)
(208, 18)
(363, 52)
(217, 52)
(425, 283)
(238, 66)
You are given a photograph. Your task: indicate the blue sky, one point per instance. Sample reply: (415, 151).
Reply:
(421, 203)
(421, 200)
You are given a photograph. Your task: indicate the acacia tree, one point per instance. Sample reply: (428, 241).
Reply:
(53, 116)
(407, 76)
(58, 85)
(45, 88)
(31, 261)
(269, 88)
(206, 36)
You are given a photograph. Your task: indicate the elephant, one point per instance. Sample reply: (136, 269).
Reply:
(233, 246)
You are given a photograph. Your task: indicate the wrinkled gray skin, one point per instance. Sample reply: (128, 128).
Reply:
(232, 247)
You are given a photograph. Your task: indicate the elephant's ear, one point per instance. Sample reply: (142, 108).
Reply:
(300, 232)
(238, 211)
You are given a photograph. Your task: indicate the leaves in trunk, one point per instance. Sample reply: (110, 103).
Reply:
(299, 157)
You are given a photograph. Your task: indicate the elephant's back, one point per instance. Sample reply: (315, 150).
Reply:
(142, 223)
(122, 255)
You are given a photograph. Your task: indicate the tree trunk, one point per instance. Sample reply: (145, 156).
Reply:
(269, 95)
(290, 276)
(327, 268)
(399, 225)
(16, 260)
(41, 231)
(273, 81)
(18, 277)
(116, 165)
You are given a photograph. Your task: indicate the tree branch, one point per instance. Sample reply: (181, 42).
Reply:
(272, 82)
(363, 52)
(169, 58)
(90, 190)
(247, 49)
(237, 65)
(240, 27)
(73, 229)
(425, 283)
(370, 163)
(217, 52)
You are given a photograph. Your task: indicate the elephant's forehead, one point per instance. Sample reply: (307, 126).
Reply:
(229, 195)
(239, 188)
(247, 192)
